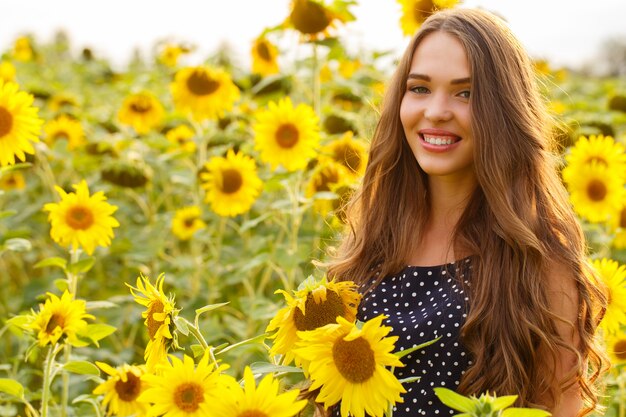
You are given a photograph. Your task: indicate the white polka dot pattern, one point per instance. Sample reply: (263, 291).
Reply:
(423, 303)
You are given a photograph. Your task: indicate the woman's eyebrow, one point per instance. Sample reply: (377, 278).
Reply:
(465, 80)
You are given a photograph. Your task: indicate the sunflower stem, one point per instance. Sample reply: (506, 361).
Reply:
(47, 379)
(317, 90)
(193, 329)
(621, 407)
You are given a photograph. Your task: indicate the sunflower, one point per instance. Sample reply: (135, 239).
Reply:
(262, 400)
(81, 220)
(602, 149)
(186, 222)
(315, 304)
(184, 390)
(204, 92)
(613, 276)
(181, 138)
(7, 72)
(595, 191)
(142, 111)
(264, 57)
(348, 365)
(286, 135)
(12, 181)
(60, 319)
(23, 49)
(19, 124)
(122, 389)
(349, 152)
(170, 53)
(65, 128)
(325, 178)
(159, 315)
(619, 226)
(313, 18)
(231, 183)
(415, 12)
(62, 101)
(616, 348)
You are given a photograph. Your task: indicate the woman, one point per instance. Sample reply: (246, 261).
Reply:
(462, 229)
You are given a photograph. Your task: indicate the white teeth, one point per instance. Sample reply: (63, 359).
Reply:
(433, 140)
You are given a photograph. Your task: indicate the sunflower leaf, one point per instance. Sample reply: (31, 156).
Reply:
(7, 213)
(243, 342)
(17, 244)
(524, 412)
(209, 307)
(81, 368)
(454, 400)
(503, 402)
(267, 368)
(98, 331)
(82, 266)
(11, 387)
(181, 325)
(403, 353)
(52, 261)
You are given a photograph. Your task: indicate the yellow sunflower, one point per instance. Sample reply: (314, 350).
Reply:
(596, 192)
(65, 128)
(19, 124)
(12, 181)
(81, 220)
(122, 389)
(351, 153)
(415, 12)
(616, 348)
(60, 320)
(231, 183)
(181, 138)
(186, 222)
(314, 19)
(205, 93)
(604, 150)
(315, 304)
(619, 227)
(170, 53)
(143, 111)
(613, 275)
(62, 101)
(7, 72)
(348, 364)
(286, 135)
(184, 390)
(159, 315)
(326, 177)
(264, 57)
(262, 400)
(23, 49)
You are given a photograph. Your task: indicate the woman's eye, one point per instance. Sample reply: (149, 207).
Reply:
(465, 94)
(419, 90)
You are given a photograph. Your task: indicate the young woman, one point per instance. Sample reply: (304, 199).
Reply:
(462, 228)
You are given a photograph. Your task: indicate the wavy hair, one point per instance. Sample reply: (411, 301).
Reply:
(517, 225)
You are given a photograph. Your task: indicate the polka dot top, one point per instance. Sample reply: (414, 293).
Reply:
(423, 303)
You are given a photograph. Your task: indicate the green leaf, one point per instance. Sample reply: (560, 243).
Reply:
(17, 244)
(197, 350)
(454, 400)
(524, 412)
(268, 368)
(7, 213)
(82, 266)
(409, 379)
(181, 325)
(81, 368)
(52, 261)
(243, 342)
(61, 284)
(93, 305)
(98, 331)
(503, 402)
(209, 308)
(403, 353)
(11, 387)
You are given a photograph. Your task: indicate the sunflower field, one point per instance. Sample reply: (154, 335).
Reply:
(163, 228)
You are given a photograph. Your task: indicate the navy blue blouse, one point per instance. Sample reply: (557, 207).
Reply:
(423, 303)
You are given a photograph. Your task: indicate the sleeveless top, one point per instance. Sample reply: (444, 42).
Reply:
(423, 303)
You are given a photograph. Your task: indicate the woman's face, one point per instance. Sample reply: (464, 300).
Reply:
(435, 110)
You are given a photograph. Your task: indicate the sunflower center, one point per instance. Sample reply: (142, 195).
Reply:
(252, 413)
(55, 321)
(188, 397)
(318, 315)
(622, 220)
(422, 9)
(6, 121)
(619, 349)
(326, 178)
(141, 105)
(231, 181)
(61, 135)
(287, 136)
(189, 222)
(200, 84)
(156, 306)
(349, 157)
(596, 190)
(264, 51)
(79, 218)
(309, 17)
(354, 359)
(128, 391)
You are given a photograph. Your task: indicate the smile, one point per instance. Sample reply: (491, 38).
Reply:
(440, 140)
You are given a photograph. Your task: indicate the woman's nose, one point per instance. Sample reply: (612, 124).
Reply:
(437, 108)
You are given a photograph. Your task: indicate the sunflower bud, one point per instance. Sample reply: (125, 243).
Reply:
(618, 103)
(126, 174)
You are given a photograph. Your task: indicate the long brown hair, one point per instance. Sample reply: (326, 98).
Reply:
(517, 224)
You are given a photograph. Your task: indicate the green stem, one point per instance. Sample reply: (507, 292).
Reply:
(622, 396)
(317, 90)
(72, 281)
(47, 379)
(196, 333)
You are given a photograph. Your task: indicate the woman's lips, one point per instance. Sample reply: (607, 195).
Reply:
(438, 140)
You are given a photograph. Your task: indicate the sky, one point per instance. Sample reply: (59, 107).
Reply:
(566, 32)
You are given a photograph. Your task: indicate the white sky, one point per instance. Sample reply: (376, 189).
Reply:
(567, 32)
